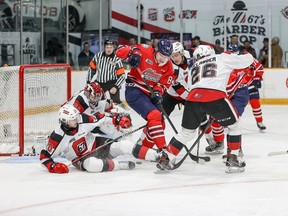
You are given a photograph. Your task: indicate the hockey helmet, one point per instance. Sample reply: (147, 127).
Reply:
(202, 51)
(67, 113)
(94, 93)
(177, 47)
(165, 47)
(108, 41)
(233, 48)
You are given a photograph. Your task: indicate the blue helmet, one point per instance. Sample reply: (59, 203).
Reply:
(234, 48)
(165, 47)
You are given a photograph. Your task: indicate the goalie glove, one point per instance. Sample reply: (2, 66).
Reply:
(122, 120)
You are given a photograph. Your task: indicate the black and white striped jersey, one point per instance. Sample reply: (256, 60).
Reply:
(103, 68)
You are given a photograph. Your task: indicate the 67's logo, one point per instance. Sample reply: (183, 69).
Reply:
(169, 14)
(80, 146)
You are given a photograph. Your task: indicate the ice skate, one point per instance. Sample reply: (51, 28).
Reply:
(215, 148)
(210, 141)
(126, 165)
(234, 164)
(165, 160)
(261, 126)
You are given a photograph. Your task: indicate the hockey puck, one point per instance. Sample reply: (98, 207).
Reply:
(138, 162)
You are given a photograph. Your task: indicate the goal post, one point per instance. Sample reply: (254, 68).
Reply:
(30, 97)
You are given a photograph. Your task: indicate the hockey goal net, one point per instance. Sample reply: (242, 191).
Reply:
(30, 97)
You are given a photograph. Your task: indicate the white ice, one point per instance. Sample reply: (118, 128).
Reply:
(193, 189)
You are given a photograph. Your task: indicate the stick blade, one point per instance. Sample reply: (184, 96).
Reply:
(277, 153)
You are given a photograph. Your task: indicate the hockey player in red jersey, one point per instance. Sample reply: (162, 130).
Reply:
(157, 69)
(208, 81)
(254, 97)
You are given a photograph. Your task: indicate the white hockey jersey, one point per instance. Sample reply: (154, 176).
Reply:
(80, 102)
(180, 89)
(209, 76)
(74, 143)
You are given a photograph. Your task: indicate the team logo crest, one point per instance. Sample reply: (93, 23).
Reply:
(169, 14)
(189, 14)
(152, 14)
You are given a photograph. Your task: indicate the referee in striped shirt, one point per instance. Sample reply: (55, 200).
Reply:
(107, 69)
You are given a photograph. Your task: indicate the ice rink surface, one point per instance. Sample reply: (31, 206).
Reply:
(193, 189)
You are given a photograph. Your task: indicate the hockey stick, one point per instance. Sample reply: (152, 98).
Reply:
(106, 144)
(177, 165)
(277, 153)
(193, 157)
(198, 145)
(238, 82)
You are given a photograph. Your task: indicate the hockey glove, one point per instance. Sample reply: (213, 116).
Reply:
(156, 98)
(257, 84)
(122, 120)
(134, 57)
(59, 168)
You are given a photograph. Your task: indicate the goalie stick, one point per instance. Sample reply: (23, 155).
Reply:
(197, 159)
(74, 161)
(277, 153)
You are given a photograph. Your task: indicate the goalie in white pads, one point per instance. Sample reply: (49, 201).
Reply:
(208, 81)
(74, 137)
(91, 100)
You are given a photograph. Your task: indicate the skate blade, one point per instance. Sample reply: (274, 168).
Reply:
(161, 170)
(158, 171)
(234, 169)
(214, 152)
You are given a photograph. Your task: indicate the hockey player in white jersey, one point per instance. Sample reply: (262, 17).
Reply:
(208, 82)
(91, 101)
(75, 137)
(178, 91)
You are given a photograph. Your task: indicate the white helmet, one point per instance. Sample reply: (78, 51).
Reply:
(67, 113)
(177, 47)
(202, 51)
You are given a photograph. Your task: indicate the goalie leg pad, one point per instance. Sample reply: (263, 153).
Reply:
(122, 147)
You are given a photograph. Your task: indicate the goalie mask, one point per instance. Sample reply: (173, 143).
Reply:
(68, 116)
(94, 93)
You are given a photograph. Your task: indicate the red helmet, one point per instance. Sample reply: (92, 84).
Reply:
(94, 93)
